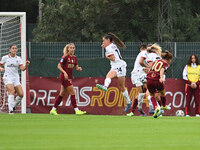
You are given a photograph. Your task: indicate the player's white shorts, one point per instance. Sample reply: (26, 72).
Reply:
(121, 71)
(135, 78)
(14, 81)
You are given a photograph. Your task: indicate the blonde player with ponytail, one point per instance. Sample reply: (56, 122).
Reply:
(66, 65)
(118, 66)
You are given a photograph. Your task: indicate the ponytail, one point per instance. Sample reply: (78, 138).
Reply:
(167, 55)
(156, 49)
(113, 38)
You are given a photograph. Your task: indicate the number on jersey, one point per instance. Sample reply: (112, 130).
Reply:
(157, 66)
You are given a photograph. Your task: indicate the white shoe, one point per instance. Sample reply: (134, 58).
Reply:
(187, 116)
(160, 113)
(197, 115)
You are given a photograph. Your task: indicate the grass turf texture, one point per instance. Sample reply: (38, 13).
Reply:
(92, 132)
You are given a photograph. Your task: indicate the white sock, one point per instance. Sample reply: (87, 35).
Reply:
(54, 108)
(18, 100)
(10, 102)
(150, 103)
(140, 100)
(125, 94)
(107, 82)
(76, 109)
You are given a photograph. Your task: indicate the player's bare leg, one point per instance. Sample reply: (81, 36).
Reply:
(110, 75)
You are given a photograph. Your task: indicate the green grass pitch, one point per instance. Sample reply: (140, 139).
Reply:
(92, 132)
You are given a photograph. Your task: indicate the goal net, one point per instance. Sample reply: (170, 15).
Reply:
(12, 31)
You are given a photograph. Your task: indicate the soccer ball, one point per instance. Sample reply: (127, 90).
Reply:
(143, 78)
(180, 113)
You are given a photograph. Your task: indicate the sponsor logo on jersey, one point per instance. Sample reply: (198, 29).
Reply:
(12, 65)
(61, 60)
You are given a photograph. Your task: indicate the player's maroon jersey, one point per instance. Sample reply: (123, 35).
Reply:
(154, 73)
(68, 63)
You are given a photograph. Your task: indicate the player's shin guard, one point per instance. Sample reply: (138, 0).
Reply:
(140, 100)
(107, 82)
(163, 99)
(10, 102)
(58, 100)
(73, 101)
(125, 94)
(18, 100)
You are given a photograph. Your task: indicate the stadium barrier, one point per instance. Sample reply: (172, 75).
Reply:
(43, 91)
(47, 67)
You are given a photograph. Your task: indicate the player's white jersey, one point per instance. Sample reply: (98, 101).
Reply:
(137, 67)
(11, 65)
(151, 57)
(112, 49)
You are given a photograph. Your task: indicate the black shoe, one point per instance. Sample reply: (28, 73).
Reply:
(11, 112)
(141, 112)
(151, 112)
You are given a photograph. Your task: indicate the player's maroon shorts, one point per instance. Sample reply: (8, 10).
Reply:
(64, 82)
(154, 85)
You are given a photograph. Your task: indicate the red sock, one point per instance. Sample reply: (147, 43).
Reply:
(160, 102)
(73, 101)
(58, 100)
(135, 103)
(163, 99)
(154, 102)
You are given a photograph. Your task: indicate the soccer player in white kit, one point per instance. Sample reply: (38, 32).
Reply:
(118, 66)
(137, 72)
(11, 79)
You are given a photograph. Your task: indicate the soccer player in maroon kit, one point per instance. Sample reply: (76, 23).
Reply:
(66, 65)
(155, 81)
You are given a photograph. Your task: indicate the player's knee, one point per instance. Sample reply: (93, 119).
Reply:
(21, 95)
(62, 93)
(11, 92)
